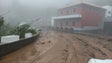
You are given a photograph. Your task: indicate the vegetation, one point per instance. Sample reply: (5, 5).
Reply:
(4, 28)
(1, 21)
(1, 24)
(22, 29)
(7, 29)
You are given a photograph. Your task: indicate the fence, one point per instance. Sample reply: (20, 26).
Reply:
(10, 47)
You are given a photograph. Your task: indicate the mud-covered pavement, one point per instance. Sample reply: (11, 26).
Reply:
(58, 47)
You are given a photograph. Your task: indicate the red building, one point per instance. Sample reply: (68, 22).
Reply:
(82, 16)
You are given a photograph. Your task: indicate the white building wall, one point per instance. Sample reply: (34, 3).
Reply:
(108, 10)
(86, 28)
(9, 39)
(28, 35)
(108, 15)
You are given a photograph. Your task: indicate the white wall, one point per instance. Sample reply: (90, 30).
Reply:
(9, 39)
(100, 61)
(86, 28)
(28, 35)
(109, 10)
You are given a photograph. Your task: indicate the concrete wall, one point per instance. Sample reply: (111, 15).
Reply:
(10, 47)
(9, 38)
(107, 27)
(108, 10)
(92, 16)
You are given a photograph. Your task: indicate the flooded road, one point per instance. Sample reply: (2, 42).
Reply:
(58, 47)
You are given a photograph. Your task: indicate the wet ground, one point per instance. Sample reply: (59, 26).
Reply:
(58, 47)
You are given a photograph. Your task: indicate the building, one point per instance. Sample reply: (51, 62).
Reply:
(108, 10)
(107, 21)
(79, 17)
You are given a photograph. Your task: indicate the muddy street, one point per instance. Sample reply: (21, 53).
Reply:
(60, 47)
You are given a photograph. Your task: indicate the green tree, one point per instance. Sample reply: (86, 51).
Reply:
(33, 31)
(22, 29)
(1, 21)
(1, 24)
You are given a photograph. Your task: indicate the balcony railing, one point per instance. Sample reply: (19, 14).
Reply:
(67, 16)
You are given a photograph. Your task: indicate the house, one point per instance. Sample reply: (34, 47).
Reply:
(107, 21)
(79, 17)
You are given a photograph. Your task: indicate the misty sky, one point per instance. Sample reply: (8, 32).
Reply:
(36, 3)
(17, 11)
(44, 3)
(23, 10)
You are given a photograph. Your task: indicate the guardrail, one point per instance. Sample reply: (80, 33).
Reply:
(10, 47)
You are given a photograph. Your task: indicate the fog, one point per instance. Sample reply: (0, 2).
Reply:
(17, 11)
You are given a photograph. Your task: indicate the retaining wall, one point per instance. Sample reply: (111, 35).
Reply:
(10, 47)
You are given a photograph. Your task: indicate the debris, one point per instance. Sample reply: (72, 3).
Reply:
(43, 43)
(66, 50)
(49, 41)
(100, 61)
(109, 40)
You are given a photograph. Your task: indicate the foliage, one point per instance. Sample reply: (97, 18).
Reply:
(1, 25)
(1, 21)
(7, 29)
(22, 29)
(2, 32)
(33, 31)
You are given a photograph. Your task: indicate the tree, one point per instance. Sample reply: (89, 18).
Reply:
(33, 31)
(1, 21)
(1, 24)
(22, 29)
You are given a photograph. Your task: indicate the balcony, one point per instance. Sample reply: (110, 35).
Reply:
(68, 16)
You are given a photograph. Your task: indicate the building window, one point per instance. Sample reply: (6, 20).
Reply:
(66, 23)
(74, 10)
(73, 23)
(109, 12)
(67, 12)
(61, 24)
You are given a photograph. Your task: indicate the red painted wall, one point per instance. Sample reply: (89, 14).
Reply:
(79, 21)
(91, 15)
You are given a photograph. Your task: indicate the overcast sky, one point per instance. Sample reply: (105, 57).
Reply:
(21, 10)
(40, 4)
(36, 3)
(44, 3)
